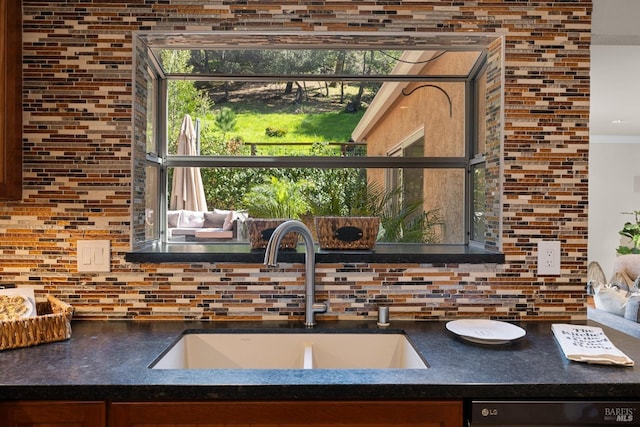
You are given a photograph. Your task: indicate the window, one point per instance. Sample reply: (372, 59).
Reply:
(409, 182)
(318, 118)
(477, 163)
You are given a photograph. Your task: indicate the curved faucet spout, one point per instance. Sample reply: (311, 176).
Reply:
(271, 260)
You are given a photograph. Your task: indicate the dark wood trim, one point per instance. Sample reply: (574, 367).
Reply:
(10, 99)
(52, 413)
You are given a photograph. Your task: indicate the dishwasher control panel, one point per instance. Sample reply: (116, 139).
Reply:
(554, 413)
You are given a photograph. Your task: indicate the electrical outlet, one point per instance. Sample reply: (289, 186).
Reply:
(549, 257)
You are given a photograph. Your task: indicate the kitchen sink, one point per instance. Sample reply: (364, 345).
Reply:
(278, 350)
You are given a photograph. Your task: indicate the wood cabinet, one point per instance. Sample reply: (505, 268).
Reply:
(52, 414)
(269, 414)
(10, 99)
(446, 413)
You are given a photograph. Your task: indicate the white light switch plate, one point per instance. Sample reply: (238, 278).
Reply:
(94, 256)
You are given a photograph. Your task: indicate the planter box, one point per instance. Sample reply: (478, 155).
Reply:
(347, 232)
(261, 229)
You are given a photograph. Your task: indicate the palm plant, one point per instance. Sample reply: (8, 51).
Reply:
(278, 198)
(632, 231)
(401, 222)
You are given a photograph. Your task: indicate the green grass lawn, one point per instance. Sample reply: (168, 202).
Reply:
(270, 116)
(316, 119)
(320, 127)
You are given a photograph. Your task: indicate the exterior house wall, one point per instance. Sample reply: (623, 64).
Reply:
(77, 113)
(426, 110)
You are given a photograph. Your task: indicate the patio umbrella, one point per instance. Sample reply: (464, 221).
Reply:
(187, 190)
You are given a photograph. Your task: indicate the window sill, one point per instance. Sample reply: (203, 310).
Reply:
(387, 253)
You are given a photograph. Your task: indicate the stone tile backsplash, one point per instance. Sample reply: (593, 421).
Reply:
(77, 98)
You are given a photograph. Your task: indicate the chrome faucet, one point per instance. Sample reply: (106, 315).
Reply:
(271, 257)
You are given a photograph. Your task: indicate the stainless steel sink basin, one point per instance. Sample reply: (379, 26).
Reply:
(277, 350)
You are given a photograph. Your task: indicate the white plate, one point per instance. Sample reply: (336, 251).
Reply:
(28, 310)
(485, 331)
(29, 306)
(28, 294)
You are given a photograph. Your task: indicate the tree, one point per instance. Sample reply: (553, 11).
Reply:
(182, 95)
(226, 121)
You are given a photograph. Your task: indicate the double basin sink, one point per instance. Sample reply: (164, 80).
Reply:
(290, 350)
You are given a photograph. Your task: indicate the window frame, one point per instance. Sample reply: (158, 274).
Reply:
(163, 161)
(477, 159)
(366, 162)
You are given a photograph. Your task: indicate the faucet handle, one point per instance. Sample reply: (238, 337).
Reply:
(319, 307)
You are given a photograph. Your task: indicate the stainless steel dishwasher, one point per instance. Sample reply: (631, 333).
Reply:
(553, 413)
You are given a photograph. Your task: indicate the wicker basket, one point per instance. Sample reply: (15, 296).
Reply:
(53, 323)
(261, 229)
(347, 232)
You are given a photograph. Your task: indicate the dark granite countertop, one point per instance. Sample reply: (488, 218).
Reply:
(109, 361)
(383, 253)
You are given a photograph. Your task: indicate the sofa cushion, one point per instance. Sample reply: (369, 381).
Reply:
(177, 232)
(191, 219)
(213, 233)
(214, 220)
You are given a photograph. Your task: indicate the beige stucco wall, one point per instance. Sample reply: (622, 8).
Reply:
(426, 110)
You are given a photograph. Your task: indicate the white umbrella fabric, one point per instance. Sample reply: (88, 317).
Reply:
(187, 191)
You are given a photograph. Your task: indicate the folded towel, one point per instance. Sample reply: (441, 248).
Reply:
(588, 344)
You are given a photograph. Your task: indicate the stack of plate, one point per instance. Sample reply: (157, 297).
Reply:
(485, 331)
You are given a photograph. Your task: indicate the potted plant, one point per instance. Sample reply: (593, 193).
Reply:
(347, 218)
(632, 232)
(627, 264)
(271, 203)
(370, 213)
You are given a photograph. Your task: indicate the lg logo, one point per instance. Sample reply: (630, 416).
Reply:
(489, 412)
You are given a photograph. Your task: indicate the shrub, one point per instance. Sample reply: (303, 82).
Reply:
(275, 132)
(278, 198)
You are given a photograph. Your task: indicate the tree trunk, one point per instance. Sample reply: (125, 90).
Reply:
(289, 88)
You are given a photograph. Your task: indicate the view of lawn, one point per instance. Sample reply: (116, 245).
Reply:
(264, 120)
(303, 127)
(235, 118)
(270, 114)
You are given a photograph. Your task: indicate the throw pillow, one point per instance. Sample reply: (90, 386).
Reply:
(214, 220)
(622, 281)
(629, 264)
(191, 219)
(610, 299)
(228, 222)
(632, 308)
(173, 217)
